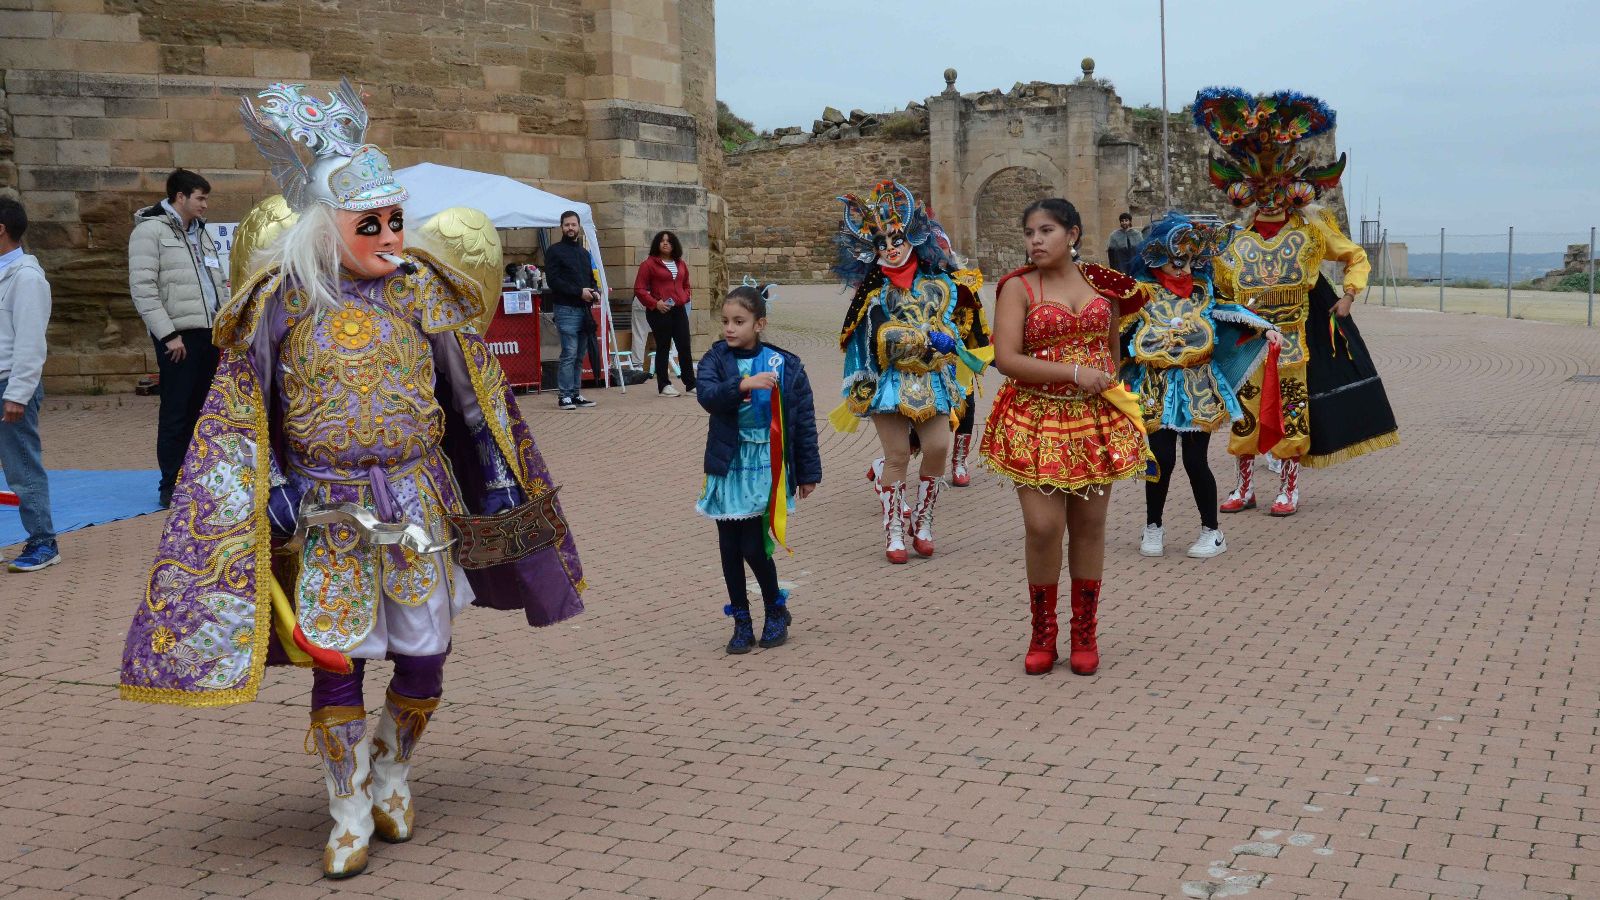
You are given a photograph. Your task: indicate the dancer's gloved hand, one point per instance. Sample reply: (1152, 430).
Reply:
(500, 491)
(941, 342)
(283, 509)
(498, 500)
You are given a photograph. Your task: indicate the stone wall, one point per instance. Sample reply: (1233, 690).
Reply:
(781, 208)
(977, 160)
(611, 102)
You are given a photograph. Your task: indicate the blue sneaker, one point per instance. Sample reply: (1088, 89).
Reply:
(743, 632)
(36, 556)
(775, 630)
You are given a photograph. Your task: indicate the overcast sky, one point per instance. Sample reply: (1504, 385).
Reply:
(1469, 115)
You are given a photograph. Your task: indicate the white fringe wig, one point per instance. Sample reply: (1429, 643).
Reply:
(307, 254)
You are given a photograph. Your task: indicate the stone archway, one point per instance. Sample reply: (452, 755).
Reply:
(1001, 199)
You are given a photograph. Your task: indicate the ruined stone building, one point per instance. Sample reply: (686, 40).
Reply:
(976, 160)
(611, 102)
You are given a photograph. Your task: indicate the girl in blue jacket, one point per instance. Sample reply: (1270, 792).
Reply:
(747, 494)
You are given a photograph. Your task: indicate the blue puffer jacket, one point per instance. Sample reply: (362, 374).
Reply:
(717, 386)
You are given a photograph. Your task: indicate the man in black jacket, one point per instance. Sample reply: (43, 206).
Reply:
(573, 290)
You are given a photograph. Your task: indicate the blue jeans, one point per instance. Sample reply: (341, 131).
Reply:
(22, 458)
(569, 372)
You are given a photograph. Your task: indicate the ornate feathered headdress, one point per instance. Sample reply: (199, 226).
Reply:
(890, 209)
(1260, 136)
(345, 173)
(1199, 238)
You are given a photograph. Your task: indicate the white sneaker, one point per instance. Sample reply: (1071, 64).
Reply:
(1210, 543)
(668, 391)
(1154, 542)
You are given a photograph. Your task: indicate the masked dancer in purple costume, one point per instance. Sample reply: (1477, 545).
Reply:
(359, 475)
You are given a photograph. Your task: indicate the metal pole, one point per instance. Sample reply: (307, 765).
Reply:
(1511, 234)
(1591, 276)
(1441, 270)
(1383, 258)
(1166, 148)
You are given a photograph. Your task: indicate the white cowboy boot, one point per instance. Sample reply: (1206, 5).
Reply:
(339, 734)
(928, 490)
(1288, 501)
(401, 724)
(959, 476)
(1243, 496)
(894, 522)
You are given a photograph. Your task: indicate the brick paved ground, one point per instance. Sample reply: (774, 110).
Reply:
(1388, 697)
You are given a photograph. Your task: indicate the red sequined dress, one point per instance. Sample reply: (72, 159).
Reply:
(1055, 436)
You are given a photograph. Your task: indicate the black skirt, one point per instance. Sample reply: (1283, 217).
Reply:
(1350, 413)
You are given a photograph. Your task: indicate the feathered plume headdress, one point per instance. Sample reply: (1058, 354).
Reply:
(1260, 136)
(344, 172)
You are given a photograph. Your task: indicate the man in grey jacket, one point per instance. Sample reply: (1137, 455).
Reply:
(24, 314)
(176, 280)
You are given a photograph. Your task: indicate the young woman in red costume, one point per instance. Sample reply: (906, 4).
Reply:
(1061, 426)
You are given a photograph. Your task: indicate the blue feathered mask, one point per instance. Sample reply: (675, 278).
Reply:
(1176, 236)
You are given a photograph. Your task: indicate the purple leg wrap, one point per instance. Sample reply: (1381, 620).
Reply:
(418, 677)
(332, 689)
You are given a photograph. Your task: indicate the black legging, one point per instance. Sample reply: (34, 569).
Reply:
(672, 327)
(1164, 444)
(742, 542)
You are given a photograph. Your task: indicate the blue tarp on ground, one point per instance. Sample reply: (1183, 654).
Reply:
(83, 497)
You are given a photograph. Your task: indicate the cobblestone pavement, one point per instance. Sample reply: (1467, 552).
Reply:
(1386, 697)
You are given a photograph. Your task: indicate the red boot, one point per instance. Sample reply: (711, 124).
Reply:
(1085, 656)
(958, 461)
(1288, 501)
(1243, 496)
(1041, 656)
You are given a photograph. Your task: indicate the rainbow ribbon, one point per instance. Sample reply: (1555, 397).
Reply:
(777, 516)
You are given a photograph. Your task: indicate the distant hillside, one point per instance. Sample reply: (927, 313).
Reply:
(1479, 266)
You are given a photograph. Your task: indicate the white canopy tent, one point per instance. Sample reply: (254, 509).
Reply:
(509, 204)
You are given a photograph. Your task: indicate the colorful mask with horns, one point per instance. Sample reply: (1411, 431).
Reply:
(1177, 237)
(885, 230)
(1260, 136)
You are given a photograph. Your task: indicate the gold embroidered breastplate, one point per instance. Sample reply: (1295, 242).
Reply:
(1172, 332)
(1259, 272)
(358, 390)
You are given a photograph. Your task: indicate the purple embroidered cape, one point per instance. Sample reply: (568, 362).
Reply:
(204, 630)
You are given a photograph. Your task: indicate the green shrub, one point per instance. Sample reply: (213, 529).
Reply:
(902, 125)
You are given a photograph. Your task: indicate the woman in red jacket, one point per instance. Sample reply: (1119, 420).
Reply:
(662, 285)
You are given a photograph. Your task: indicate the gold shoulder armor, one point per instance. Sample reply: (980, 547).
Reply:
(443, 297)
(464, 239)
(236, 323)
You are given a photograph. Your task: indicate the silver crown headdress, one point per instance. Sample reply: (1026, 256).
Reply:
(345, 173)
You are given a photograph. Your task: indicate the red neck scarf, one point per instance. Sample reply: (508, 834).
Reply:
(1181, 285)
(1269, 230)
(904, 276)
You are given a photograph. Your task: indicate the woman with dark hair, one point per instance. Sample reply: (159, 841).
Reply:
(1061, 426)
(662, 286)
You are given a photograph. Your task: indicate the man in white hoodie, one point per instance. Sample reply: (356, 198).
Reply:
(24, 313)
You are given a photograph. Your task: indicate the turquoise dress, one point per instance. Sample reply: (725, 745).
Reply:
(742, 493)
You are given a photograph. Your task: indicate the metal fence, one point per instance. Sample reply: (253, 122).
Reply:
(1546, 275)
